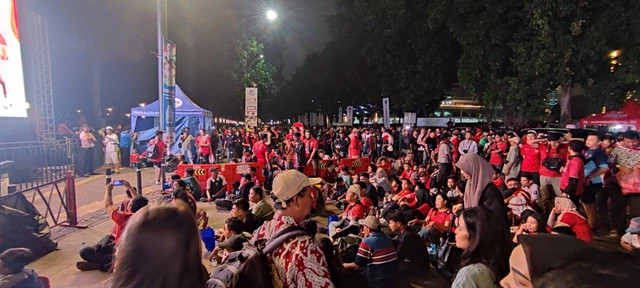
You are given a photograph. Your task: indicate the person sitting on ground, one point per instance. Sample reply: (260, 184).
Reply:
(437, 222)
(370, 190)
(531, 224)
(339, 188)
(346, 175)
(519, 201)
(298, 262)
(232, 227)
(406, 196)
(355, 211)
(409, 245)
(364, 199)
(381, 181)
(241, 210)
(216, 186)
(254, 178)
(330, 174)
(14, 271)
(631, 239)
(565, 212)
(451, 188)
(192, 183)
(260, 207)
(100, 256)
(407, 172)
(498, 181)
(241, 193)
(486, 248)
(142, 258)
(376, 255)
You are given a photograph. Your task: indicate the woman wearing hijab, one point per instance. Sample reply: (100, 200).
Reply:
(480, 190)
(381, 181)
(568, 215)
(548, 260)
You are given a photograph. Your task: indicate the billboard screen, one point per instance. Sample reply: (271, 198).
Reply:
(12, 95)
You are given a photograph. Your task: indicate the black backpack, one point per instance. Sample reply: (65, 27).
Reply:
(253, 269)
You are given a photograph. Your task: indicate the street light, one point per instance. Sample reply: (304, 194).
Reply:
(141, 104)
(271, 15)
(110, 109)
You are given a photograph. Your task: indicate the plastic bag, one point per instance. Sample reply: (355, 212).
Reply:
(630, 182)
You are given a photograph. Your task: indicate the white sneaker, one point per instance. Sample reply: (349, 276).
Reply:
(158, 182)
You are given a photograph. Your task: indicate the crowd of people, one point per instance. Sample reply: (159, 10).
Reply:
(481, 207)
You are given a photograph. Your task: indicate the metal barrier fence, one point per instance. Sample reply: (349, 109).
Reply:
(36, 164)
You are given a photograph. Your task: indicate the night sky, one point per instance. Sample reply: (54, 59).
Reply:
(105, 48)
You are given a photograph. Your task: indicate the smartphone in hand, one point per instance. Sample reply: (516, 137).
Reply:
(117, 182)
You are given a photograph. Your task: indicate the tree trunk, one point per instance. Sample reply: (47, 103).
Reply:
(565, 104)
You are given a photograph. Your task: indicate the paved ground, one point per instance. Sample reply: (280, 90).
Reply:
(59, 266)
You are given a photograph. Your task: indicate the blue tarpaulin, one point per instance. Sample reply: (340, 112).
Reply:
(146, 120)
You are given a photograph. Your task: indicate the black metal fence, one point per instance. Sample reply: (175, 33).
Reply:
(36, 164)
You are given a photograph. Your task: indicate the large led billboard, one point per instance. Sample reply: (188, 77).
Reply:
(12, 95)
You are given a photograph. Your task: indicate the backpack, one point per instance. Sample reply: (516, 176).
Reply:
(249, 267)
(151, 150)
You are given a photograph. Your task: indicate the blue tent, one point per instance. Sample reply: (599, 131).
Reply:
(146, 120)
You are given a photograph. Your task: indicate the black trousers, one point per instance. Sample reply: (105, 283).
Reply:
(101, 253)
(87, 154)
(124, 156)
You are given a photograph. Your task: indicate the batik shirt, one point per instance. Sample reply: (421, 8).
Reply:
(299, 262)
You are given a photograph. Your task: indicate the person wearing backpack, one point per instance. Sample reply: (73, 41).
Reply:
(298, 262)
(156, 150)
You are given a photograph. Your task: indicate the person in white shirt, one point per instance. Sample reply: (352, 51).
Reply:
(468, 145)
(529, 186)
(185, 144)
(111, 142)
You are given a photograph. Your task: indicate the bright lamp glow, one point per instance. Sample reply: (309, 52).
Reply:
(271, 15)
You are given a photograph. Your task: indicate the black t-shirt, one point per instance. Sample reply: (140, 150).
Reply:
(413, 248)
(250, 224)
(405, 142)
(432, 143)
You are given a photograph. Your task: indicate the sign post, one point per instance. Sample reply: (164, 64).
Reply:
(385, 112)
(350, 115)
(251, 107)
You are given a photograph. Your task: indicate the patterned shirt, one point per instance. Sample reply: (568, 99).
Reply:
(299, 262)
(626, 157)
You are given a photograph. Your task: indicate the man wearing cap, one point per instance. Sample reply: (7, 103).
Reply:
(377, 254)
(512, 167)
(299, 262)
(354, 211)
(110, 143)
(531, 156)
(216, 185)
(241, 193)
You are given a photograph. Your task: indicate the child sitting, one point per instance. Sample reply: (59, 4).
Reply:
(14, 271)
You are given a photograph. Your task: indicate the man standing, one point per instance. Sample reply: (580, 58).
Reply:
(215, 141)
(87, 141)
(158, 154)
(311, 151)
(531, 157)
(553, 155)
(341, 144)
(512, 167)
(185, 144)
(444, 160)
(377, 255)
(627, 156)
(125, 146)
(298, 262)
(468, 145)
(595, 166)
(111, 142)
(203, 142)
(405, 142)
(572, 180)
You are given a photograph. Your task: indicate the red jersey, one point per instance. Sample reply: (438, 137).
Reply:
(496, 158)
(439, 217)
(161, 149)
(573, 169)
(546, 151)
(120, 220)
(530, 158)
(456, 143)
(309, 146)
(409, 197)
(578, 224)
(355, 211)
(260, 149)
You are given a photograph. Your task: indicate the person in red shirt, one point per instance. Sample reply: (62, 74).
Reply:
(437, 221)
(406, 196)
(552, 150)
(203, 142)
(260, 149)
(311, 151)
(158, 155)
(572, 180)
(101, 255)
(567, 215)
(531, 157)
(497, 150)
(354, 144)
(355, 211)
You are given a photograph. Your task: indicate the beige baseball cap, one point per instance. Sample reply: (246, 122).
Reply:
(371, 222)
(289, 183)
(355, 189)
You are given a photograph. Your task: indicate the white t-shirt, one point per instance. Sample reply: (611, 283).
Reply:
(534, 191)
(111, 143)
(632, 240)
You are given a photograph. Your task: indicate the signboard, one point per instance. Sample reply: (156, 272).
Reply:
(169, 88)
(385, 112)
(432, 122)
(350, 114)
(251, 107)
(12, 95)
(410, 118)
(340, 119)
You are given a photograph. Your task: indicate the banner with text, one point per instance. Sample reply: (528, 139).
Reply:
(251, 107)
(350, 115)
(385, 112)
(169, 87)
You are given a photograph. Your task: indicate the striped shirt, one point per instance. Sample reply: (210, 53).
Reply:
(378, 254)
